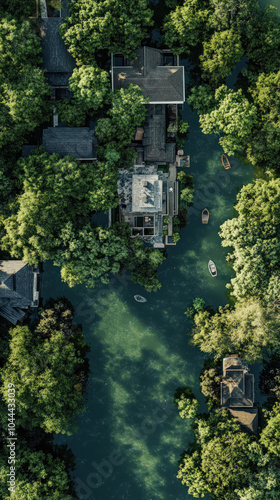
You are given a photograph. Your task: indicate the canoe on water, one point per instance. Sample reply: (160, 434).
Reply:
(225, 161)
(212, 268)
(139, 298)
(205, 216)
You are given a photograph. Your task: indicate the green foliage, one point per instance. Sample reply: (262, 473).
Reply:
(187, 195)
(248, 329)
(186, 402)
(56, 191)
(183, 26)
(117, 130)
(220, 55)
(234, 117)
(270, 435)
(40, 473)
(49, 372)
(71, 113)
(210, 382)
(265, 140)
(218, 461)
(197, 305)
(263, 46)
(269, 382)
(176, 237)
(91, 87)
(18, 8)
(202, 99)
(19, 47)
(106, 25)
(23, 87)
(254, 238)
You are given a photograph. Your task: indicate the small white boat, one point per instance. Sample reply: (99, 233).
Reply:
(139, 298)
(212, 268)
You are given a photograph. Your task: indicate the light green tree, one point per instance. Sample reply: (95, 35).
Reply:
(248, 329)
(254, 240)
(234, 117)
(220, 55)
(90, 86)
(185, 26)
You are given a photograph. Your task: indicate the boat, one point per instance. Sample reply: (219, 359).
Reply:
(225, 161)
(139, 298)
(205, 216)
(212, 268)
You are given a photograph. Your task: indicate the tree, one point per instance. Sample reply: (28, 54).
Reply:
(18, 8)
(40, 473)
(263, 46)
(210, 382)
(264, 479)
(270, 435)
(19, 47)
(116, 131)
(254, 239)
(202, 99)
(111, 26)
(269, 382)
(55, 191)
(48, 371)
(24, 106)
(187, 195)
(186, 402)
(217, 462)
(234, 116)
(220, 55)
(265, 140)
(91, 87)
(185, 26)
(90, 254)
(248, 329)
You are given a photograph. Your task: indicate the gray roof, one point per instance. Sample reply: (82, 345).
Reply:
(237, 386)
(156, 149)
(56, 58)
(161, 84)
(247, 418)
(79, 142)
(18, 289)
(146, 193)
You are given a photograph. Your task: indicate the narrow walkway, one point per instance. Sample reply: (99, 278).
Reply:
(43, 8)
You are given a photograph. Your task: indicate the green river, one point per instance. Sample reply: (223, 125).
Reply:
(131, 436)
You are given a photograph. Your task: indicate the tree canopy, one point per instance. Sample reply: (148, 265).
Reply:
(105, 25)
(217, 462)
(220, 55)
(248, 329)
(234, 117)
(254, 239)
(49, 373)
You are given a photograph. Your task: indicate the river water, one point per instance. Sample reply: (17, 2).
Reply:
(131, 436)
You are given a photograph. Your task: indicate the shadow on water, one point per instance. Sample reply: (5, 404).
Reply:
(131, 436)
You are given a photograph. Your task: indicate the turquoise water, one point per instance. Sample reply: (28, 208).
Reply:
(276, 3)
(131, 436)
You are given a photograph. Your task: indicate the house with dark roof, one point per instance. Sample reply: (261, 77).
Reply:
(57, 61)
(237, 392)
(19, 289)
(79, 142)
(156, 72)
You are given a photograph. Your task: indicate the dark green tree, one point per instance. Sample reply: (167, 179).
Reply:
(49, 371)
